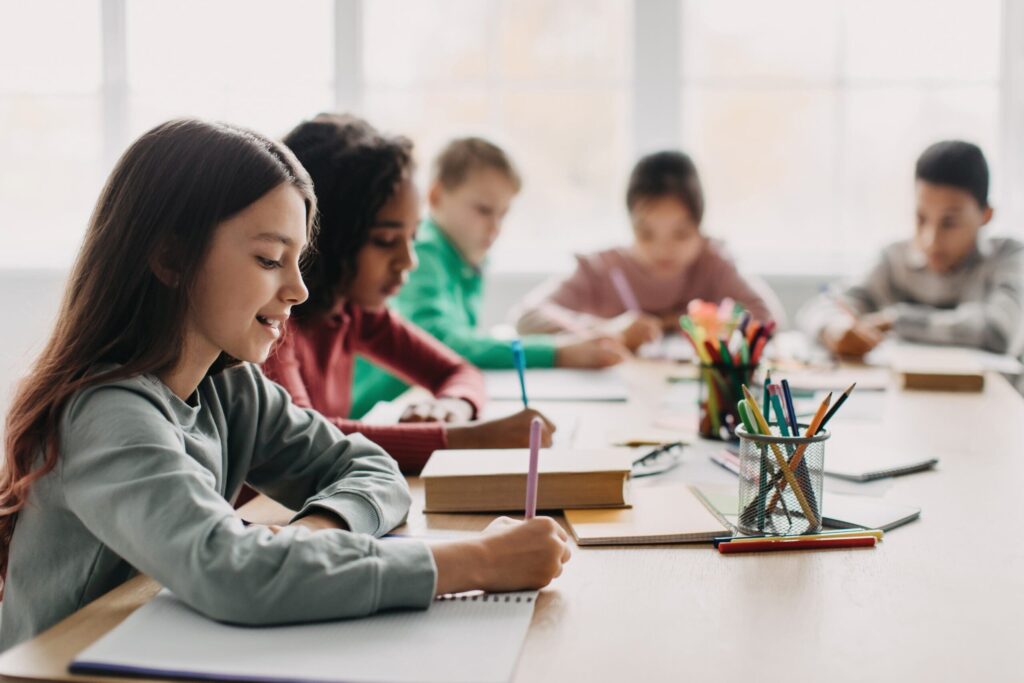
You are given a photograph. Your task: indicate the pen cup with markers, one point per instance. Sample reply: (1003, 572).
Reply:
(781, 482)
(720, 388)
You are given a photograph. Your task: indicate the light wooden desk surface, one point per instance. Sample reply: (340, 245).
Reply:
(941, 599)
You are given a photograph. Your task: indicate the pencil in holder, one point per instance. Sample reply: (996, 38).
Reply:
(781, 481)
(720, 389)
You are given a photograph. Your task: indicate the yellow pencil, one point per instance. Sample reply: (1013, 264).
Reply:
(762, 424)
(794, 462)
(877, 534)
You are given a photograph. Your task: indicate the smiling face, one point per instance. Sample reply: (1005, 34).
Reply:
(249, 281)
(667, 239)
(948, 221)
(472, 212)
(389, 253)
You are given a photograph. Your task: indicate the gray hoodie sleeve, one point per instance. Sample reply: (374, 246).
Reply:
(993, 323)
(872, 293)
(304, 462)
(127, 476)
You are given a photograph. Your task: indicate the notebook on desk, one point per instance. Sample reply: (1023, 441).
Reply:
(841, 511)
(661, 514)
(557, 384)
(462, 639)
(864, 453)
(383, 413)
(837, 379)
(847, 512)
(892, 353)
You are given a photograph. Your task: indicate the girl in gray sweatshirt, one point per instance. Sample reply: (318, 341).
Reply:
(146, 413)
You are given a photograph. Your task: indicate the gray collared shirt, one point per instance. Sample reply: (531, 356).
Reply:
(979, 304)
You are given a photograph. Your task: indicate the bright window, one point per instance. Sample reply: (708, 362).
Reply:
(50, 123)
(806, 117)
(259, 63)
(549, 80)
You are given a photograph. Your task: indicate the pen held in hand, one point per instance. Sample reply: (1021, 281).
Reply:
(519, 360)
(625, 292)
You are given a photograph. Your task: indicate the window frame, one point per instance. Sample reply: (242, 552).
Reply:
(657, 104)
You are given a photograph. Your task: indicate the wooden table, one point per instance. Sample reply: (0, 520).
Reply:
(941, 599)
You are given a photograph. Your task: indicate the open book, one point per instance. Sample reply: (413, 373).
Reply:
(660, 514)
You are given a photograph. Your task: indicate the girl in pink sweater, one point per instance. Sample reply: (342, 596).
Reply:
(639, 291)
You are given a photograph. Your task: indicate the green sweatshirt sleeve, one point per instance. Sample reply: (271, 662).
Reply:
(129, 479)
(433, 300)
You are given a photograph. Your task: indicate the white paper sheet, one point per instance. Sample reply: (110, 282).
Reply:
(557, 384)
(465, 639)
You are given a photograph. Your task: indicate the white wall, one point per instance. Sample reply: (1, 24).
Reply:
(29, 305)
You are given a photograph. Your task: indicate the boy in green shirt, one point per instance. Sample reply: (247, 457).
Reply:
(473, 186)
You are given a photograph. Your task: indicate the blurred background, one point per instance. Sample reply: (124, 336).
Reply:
(804, 116)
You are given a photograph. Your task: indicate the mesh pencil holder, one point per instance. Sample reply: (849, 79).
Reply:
(720, 390)
(769, 467)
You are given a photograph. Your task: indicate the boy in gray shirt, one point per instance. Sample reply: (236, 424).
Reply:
(946, 285)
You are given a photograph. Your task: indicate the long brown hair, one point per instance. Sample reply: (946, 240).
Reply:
(156, 213)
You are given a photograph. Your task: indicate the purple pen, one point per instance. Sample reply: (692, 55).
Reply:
(624, 291)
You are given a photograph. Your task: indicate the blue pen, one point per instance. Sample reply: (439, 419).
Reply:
(788, 395)
(519, 359)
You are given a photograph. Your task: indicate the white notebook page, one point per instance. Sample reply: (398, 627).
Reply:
(461, 639)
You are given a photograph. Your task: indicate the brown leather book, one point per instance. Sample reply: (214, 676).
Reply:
(939, 370)
(494, 480)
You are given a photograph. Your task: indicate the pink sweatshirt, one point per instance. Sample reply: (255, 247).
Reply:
(588, 296)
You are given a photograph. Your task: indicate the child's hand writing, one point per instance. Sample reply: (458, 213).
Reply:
(852, 340)
(510, 555)
(635, 329)
(506, 432)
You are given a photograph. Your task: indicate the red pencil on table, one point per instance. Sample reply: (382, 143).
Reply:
(757, 350)
(716, 356)
(796, 544)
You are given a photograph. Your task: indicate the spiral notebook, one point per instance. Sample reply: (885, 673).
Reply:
(463, 638)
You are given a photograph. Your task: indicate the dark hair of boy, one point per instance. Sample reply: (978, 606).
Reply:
(463, 156)
(957, 164)
(356, 170)
(667, 173)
